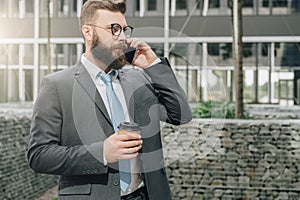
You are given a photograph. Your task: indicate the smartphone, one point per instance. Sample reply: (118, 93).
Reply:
(129, 54)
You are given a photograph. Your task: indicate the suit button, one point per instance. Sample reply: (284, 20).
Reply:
(116, 183)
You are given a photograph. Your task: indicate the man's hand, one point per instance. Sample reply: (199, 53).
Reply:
(144, 55)
(122, 147)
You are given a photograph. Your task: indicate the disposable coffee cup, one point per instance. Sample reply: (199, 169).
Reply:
(131, 127)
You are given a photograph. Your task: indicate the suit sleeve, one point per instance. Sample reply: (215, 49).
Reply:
(45, 154)
(175, 108)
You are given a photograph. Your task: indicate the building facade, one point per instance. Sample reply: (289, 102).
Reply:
(195, 35)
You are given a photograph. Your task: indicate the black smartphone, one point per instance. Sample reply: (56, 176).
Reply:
(129, 54)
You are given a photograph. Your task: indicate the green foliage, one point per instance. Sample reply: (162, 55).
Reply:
(56, 198)
(216, 109)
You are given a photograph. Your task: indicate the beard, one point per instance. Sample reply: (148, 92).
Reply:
(105, 54)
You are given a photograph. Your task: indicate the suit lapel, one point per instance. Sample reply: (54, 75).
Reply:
(84, 79)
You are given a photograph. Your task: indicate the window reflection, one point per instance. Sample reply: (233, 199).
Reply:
(13, 54)
(14, 8)
(217, 7)
(248, 54)
(3, 10)
(219, 54)
(29, 8)
(63, 8)
(3, 54)
(28, 55)
(289, 55)
(152, 5)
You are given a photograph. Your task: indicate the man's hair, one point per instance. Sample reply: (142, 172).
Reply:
(89, 9)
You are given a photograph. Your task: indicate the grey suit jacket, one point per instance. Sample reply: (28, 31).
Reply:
(70, 123)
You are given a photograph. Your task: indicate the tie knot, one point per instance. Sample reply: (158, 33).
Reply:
(107, 78)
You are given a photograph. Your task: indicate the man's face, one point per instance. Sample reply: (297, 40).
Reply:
(106, 47)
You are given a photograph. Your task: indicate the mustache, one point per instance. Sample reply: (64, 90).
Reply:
(120, 46)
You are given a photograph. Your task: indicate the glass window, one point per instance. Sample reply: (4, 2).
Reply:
(180, 4)
(217, 7)
(158, 49)
(265, 3)
(248, 54)
(296, 6)
(264, 7)
(14, 8)
(179, 53)
(28, 57)
(247, 3)
(3, 54)
(59, 55)
(219, 54)
(43, 54)
(248, 8)
(72, 55)
(263, 54)
(280, 7)
(28, 84)
(74, 8)
(137, 5)
(225, 58)
(44, 8)
(13, 54)
(29, 7)
(214, 4)
(63, 8)
(264, 49)
(181, 8)
(248, 85)
(287, 54)
(263, 79)
(213, 49)
(152, 4)
(280, 3)
(3, 87)
(3, 8)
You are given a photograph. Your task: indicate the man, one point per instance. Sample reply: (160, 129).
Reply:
(74, 131)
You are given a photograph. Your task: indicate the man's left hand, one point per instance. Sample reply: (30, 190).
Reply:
(144, 55)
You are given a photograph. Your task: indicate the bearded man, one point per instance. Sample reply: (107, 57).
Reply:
(76, 117)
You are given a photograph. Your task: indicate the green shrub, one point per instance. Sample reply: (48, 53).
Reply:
(216, 109)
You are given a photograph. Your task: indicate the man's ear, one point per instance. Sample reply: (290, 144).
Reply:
(87, 32)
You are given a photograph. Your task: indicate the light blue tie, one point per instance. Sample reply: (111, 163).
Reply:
(117, 116)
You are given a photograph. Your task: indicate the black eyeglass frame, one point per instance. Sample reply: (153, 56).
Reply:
(119, 27)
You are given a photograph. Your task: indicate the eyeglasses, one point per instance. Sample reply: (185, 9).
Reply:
(116, 29)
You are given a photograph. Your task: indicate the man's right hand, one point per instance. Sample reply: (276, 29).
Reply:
(122, 147)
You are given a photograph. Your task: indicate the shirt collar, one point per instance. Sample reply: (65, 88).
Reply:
(93, 69)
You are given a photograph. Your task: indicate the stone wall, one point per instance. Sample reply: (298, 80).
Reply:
(231, 159)
(17, 181)
(206, 159)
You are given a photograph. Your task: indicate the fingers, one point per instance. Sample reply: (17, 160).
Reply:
(128, 156)
(138, 44)
(122, 146)
(131, 150)
(128, 136)
(130, 143)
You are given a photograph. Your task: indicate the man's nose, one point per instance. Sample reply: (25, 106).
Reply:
(122, 36)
